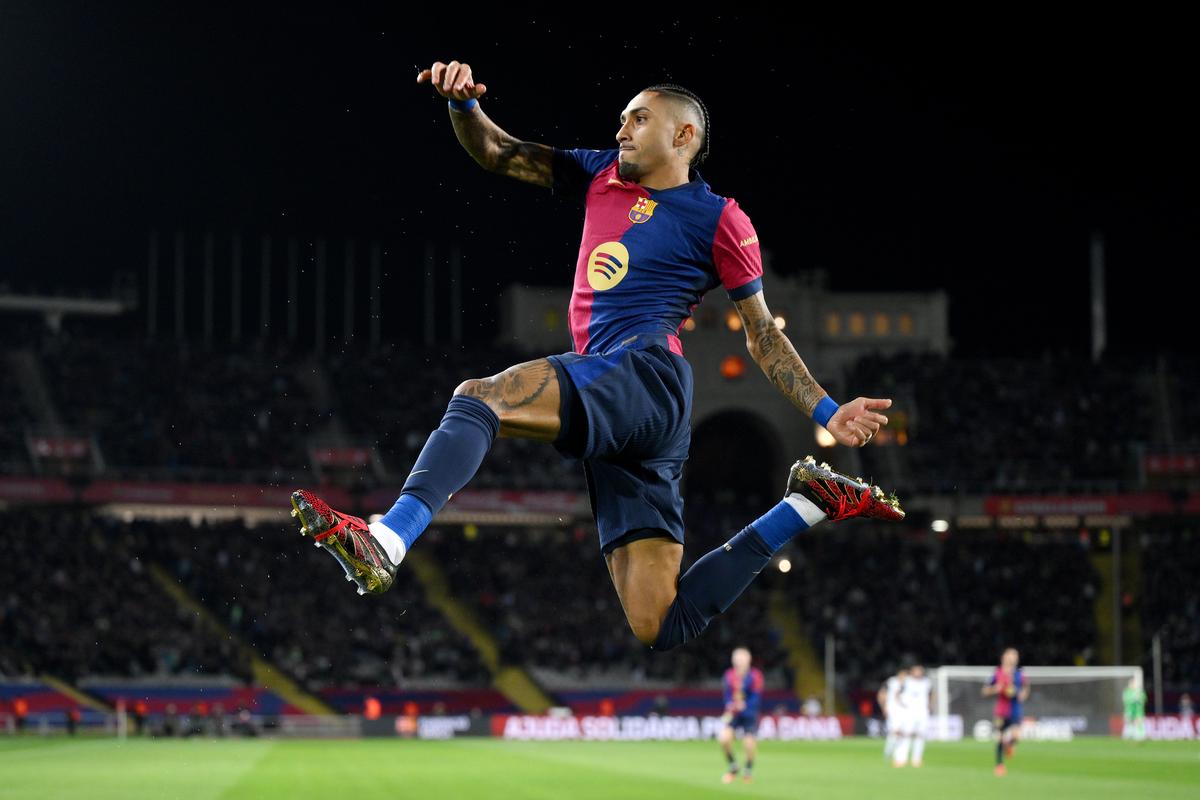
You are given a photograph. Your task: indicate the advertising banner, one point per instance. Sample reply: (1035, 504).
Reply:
(549, 728)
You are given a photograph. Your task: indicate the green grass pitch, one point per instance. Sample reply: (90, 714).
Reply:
(97, 769)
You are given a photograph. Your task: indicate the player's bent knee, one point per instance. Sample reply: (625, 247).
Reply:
(483, 389)
(474, 387)
(645, 627)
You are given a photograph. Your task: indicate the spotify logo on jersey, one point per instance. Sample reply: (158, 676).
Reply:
(607, 266)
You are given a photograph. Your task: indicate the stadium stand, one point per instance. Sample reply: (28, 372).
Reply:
(176, 411)
(988, 438)
(548, 596)
(168, 409)
(77, 601)
(1169, 604)
(271, 589)
(887, 598)
(14, 458)
(382, 403)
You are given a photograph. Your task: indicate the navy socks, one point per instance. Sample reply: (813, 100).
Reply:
(450, 458)
(712, 584)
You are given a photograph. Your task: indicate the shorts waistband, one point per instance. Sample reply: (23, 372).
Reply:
(640, 341)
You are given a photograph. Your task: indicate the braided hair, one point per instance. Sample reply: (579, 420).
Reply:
(678, 91)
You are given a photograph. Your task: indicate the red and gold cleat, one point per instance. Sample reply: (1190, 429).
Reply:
(840, 496)
(348, 540)
(1000, 770)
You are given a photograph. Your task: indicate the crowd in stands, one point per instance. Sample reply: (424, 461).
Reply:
(395, 397)
(289, 600)
(1169, 601)
(884, 597)
(178, 410)
(168, 409)
(14, 458)
(548, 597)
(1012, 425)
(1039, 590)
(16, 417)
(1184, 376)
(961, 599)
(77, 600)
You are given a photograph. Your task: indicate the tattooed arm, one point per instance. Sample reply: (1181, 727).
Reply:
(773, 352)
(853, 424)
(490, 146)
(497, 151)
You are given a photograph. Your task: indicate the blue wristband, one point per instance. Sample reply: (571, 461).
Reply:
(824, 410)
(463, 105)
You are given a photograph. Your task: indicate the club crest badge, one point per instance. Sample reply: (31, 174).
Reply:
(642, 210)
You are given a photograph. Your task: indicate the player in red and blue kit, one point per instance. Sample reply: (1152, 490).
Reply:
(743, 686)
(1009, 687)
(655, 239)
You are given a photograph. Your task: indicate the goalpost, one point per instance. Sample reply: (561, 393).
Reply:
(1071, 700)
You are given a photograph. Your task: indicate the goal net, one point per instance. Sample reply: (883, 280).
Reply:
(1063, 701)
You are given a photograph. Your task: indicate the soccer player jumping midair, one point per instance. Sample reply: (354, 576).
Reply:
(655, 239)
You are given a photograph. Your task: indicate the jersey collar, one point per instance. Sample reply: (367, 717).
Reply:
(695, 180)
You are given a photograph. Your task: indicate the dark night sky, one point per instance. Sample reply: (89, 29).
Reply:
(974, 157)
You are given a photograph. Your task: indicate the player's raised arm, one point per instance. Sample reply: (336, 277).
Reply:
(492, 148)
(852, 424)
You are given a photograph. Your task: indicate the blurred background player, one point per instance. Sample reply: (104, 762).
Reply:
(1134, 700)
(1009, 687)
(888, 698)
(743, 699)
(915, 693)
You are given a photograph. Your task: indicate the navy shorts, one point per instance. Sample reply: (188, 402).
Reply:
(746, 723)
(636, 404)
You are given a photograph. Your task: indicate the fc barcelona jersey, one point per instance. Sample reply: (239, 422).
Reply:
(1008, 706)
(647, 256)
(745, 688)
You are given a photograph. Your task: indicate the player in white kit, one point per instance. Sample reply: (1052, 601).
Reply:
(915, 694)
(889, 703)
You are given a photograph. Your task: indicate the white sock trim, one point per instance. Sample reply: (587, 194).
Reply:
(389, 540)
(807, 510)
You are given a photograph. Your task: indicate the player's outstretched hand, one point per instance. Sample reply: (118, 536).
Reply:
(856, 422)
(453, 80)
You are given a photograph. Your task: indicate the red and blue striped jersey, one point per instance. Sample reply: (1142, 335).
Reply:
(647, 256)
(1008, 706)
(745, 689)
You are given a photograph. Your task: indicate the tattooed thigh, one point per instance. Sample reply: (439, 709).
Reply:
(525, 397)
